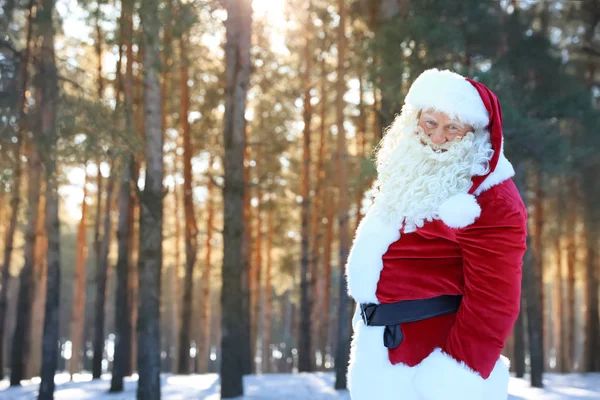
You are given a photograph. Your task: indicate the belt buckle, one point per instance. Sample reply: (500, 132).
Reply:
(366, 311)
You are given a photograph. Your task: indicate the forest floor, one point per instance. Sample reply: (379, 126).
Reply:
(317, 386)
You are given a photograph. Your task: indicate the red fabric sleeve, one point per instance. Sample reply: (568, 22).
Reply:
(492, 248)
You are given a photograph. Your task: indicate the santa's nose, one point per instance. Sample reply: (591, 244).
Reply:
(437, 136)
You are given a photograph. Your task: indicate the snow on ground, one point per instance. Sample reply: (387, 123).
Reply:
(317, 386)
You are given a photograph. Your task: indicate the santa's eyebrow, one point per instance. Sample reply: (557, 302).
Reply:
(459, 124)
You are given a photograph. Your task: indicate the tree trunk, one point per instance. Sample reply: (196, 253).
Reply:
(343, 342)
(538, 251)
(134, 256)
(98, 241)
(101, 278)
(257, 291)
(268, 299)
(592, 320)
(330, 216)
(316, 221)
(177, 268)
(123, 326)
(248, 271)
(362, 145)
(532, 300)
(15, 201)
(33, 363)
(204, 339)
(191, 230)
(305, 357)
(151, 212)
(237, 56)
(519, 341)
(48, 106)
(561, 338)
(170, 312)
(78, 317)
(571, 261)
(20, 350)
(123, 337)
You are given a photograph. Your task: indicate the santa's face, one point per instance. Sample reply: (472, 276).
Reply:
(417, 172)
(439, 130)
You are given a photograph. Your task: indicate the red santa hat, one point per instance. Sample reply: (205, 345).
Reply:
(472, 103)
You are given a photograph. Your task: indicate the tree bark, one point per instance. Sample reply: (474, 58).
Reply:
(48, 106)
(256, 263)
(34, 361)
(133, 297)
(123, 326)
(15, 201)
(151, 212)
(248, 271)
(101, 278)
(519, 341)
(561, 338)
(169, 308)
(362, 145)
(532, 300)
(305, 357)
(538, 252)
(330, 216)
(316, 221)
(177, 268)
(20, 343)
(237, 56)
(98, 340)
(592, 318)
(571, 261)
(191, 230)
(122, 357)
(204, 339)
(77, 319)
(343, 342)
(268, 297)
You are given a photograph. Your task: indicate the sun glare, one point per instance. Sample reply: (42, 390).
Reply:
(271, 9)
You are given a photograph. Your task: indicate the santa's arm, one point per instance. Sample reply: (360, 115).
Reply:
(469, 365)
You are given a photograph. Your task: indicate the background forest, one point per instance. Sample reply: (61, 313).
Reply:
(185, 176)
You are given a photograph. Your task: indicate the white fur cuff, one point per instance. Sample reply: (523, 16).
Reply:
(439, 376)
(459, 210)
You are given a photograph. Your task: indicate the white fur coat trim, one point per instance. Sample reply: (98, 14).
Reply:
(372, 239)
(371, 375)
(462, 209)
(439, 376)
(451, 93)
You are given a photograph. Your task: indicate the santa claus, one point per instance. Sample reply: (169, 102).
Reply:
(435, 267)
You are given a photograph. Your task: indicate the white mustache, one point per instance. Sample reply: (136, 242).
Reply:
(426, 141)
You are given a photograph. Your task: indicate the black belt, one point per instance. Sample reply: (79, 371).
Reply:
(393, 314)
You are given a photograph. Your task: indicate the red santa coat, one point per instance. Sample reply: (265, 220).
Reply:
(475, 249)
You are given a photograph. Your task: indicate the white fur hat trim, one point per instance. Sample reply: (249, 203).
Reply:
(450, 93)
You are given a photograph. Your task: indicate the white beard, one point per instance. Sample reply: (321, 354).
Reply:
(414, 179)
